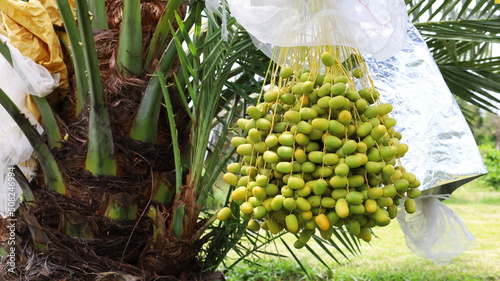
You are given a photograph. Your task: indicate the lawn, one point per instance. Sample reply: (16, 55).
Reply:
(388, 258)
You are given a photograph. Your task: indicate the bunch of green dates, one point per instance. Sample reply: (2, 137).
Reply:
(319, 154)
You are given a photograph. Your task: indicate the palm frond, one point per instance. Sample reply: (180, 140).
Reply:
(347, 240)
(100, 149)
(295, 258)
(324, 247)
(145, 125)
(51, 172)
(464, 30)
(129, 59)
(97, 8)
(316, 256)
(173, 130)
(450, 10)
(455, 52)
(477, 88)
(161, 31)
(461, 36)
(204, 55)
(71, 41)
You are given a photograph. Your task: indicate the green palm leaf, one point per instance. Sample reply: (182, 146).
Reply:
(464, 30)
(461, 36)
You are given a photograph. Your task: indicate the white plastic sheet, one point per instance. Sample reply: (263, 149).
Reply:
(17, 81)
(375, 27)
(434, 231)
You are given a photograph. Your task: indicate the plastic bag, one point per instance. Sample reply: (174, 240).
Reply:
(443, 153)
(374, 27)
(17, 81)
(30, 27)
(434, 231)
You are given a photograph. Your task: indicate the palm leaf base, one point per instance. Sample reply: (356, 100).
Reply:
(75, 237)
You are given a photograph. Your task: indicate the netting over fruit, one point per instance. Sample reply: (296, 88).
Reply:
(319, 149)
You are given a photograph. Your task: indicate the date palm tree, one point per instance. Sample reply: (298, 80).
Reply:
(131, 191)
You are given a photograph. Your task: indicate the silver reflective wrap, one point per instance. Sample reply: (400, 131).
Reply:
(442, 151)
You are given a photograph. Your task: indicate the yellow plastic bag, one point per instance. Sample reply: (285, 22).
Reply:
(29, 26)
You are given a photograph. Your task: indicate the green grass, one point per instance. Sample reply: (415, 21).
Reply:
(474, 193)
(388, 258)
